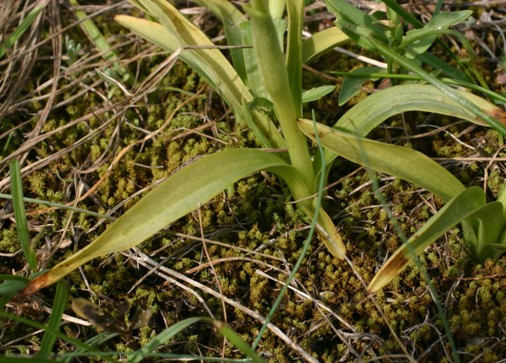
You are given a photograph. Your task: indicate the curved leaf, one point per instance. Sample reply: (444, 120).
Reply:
(390, 159)
(463, 206)
(321, 42)
(378, 107)
(177, 196)
(205, 58)
(232, 19)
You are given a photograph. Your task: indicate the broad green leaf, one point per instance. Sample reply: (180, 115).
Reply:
(491, 222)
(314, 94)
(322, 42)
(11, 285)
(177, 196)
(346, 12)
(463, 206)
(390, 159)
(379, 106)
(501, 197)
(421, 39)
(495, 119)
(232, 19)
(210, 63)
(253, 77)
(353, 85)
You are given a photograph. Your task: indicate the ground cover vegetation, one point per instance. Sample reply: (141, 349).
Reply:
(119, 142)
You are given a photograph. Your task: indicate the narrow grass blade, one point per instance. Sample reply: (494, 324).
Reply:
(177, 196)
(25, 360)
(390, 159)
(63, 337)
(58, 206)
(97, 38)
(237, 342)
(459, 208)
(20, 214)
(21, 29)
(54, 322)
(94, 342)
(163, 338)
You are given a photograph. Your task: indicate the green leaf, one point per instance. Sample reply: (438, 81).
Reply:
(421, 39)
(379, 106)
(496, 120)
(463, 206)
(22, 27)
(501, 197)
(322, 42)
(346, 12)
(204, 58)
(390, 159)
(53, 325)
(10, 286)
(97, 38)
(163, 338)
(237, 342)
(295, 10)
(177, 196)
(490, 222)
(284, 92)
(253, 77)
(353, 85)
(232, 19)
(314, 94)
(20, 214)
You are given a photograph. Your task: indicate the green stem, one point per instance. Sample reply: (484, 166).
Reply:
(271, 62)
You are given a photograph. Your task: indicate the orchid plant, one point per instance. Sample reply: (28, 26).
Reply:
(265, 68)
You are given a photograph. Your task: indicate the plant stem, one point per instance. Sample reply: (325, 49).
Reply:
(271, 62)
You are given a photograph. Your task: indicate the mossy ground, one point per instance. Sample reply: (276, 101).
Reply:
(257, 226)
